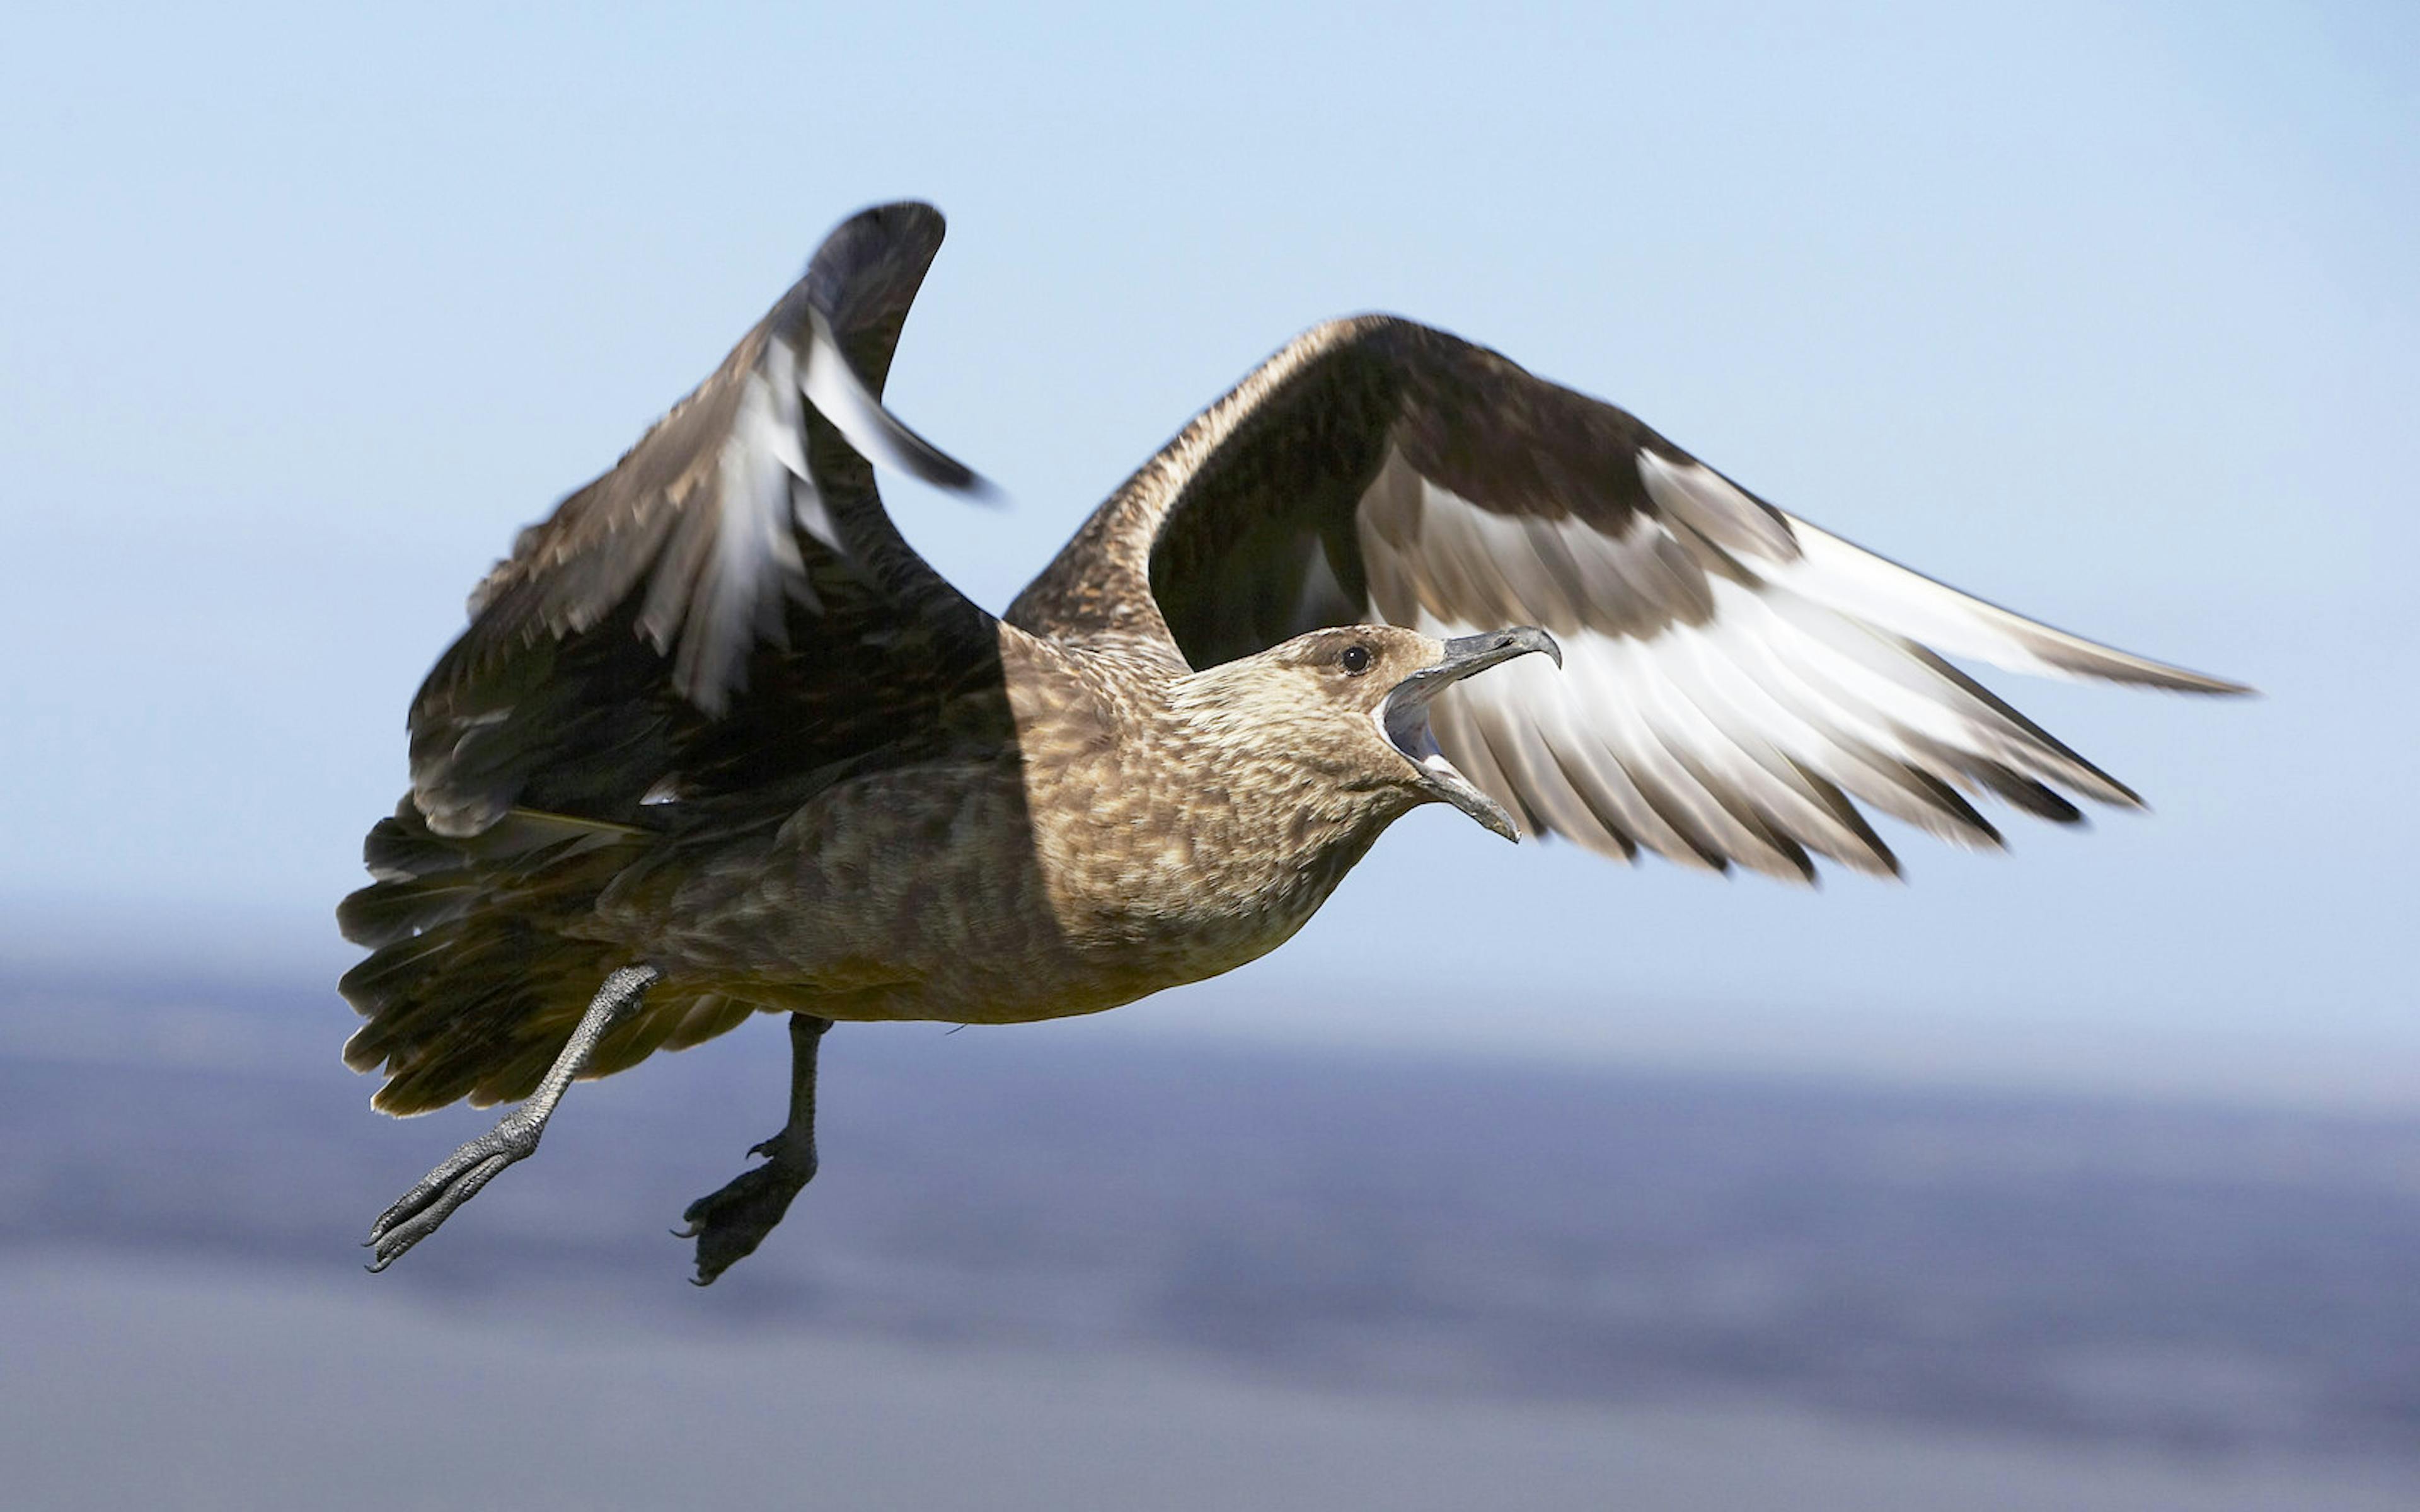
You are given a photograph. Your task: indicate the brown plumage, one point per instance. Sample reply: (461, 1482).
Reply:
(716, 722)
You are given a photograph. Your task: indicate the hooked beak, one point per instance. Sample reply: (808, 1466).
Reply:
(1404, 716)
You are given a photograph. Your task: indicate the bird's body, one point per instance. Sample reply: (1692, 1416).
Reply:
(717, 741)
(1086, 852)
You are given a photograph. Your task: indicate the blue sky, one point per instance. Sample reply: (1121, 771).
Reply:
(2108, 315)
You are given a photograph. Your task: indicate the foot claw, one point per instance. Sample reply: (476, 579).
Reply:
(456, 1180)
(729, 1224)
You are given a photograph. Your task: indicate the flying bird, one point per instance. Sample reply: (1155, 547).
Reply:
(717, 742)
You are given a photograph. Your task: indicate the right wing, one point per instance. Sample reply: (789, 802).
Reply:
(1735, 681)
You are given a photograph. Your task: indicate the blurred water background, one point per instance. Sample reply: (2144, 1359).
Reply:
(2084, 1178)
(1070, 1267)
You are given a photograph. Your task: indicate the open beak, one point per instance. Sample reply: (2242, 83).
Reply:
(1404, 716)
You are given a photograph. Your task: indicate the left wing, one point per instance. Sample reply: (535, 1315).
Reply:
(1736, 679)
(730, 598)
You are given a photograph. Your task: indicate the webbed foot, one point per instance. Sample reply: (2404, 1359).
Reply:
(729, 1224)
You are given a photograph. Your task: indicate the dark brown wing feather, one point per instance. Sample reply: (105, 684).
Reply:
(729, 602)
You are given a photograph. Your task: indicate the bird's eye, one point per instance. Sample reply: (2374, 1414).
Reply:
(1355, 659)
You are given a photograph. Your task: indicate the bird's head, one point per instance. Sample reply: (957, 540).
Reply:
(1352, 704)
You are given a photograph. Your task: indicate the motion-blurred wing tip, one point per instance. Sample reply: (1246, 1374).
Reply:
(921, 459)
(832, 385)
(2144, 673)
(2219, 686)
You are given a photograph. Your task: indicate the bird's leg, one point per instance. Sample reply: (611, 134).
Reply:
(459, 1178)
(730, 1223)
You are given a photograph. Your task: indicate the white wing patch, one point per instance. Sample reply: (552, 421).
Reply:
(1733, 678)
(1833, 572)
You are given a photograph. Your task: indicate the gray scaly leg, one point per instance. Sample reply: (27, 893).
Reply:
(730, 1223)
(459, 1178)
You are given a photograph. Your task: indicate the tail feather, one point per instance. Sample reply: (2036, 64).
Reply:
(476, 973)
(408, 907)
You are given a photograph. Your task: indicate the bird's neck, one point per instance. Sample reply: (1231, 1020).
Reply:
(1164, 834)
